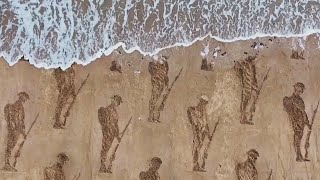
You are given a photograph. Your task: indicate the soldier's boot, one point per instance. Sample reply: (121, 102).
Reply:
(198, 168)
(244, 119)
(8, 167)
(151, 116)
(103, 168)
(157, 117)
(299, 157)
(58, 125)
(109, 170)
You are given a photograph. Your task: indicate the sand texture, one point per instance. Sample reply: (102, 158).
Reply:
(166, 147)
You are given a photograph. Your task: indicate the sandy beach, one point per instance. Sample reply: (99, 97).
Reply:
(271, 134)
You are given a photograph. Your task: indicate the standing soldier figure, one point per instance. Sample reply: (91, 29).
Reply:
(56, 171)
(246, 71)
(108, 118)
(198, 118)
(152, 173)
(294, 106)
(14, 115)
(159, 80)
(247, 170)
(66, 88)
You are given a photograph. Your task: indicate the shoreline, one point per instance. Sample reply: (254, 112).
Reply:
(122, 46)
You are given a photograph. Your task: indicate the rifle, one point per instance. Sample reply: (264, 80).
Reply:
(113, 156)
(270, 175)
(205, 154)
(21, 145)
(253, 107)
(165, 96)
(73, 101)
(307, 144)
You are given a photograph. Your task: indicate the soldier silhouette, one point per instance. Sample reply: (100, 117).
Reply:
(198, 118)
(247, 170)
(56, 171)
(66, 88)
(14, 116)
(159, 80)
(152, 173)
(246, 71)
(108, 118)
(294, 106)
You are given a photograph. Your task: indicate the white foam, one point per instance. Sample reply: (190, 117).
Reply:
(58, 33)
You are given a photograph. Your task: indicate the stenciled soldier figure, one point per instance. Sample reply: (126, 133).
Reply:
(66, 88)
(198, 119)
(14, 116)
(159, 80)
(246, 71)
(108, 118)
(56, 171)
(294, 106)
(152, 173)
(247, 170)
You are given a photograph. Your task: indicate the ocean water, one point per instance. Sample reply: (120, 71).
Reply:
(56, 33)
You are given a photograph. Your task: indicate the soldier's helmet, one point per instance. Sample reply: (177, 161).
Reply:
(63, 157)
(164, 54)
(204, 97)
(299, 84)
(23, 95)
(253, 153)
(117, 98)
(156, 161)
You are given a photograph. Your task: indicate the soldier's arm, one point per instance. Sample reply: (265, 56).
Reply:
(189, 112)
(142, 176)
(158, 176)
(255, 81)
(238, 68)
(21, 121)
(287, 104)
(151, 67)
(207, 126)
(306, 119)
(117, 133)
(10, 123)
(167, 67)
(207, 131)
(300, 105)
(101, 116)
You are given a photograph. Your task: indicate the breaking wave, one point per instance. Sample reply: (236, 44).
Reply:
(56, 33)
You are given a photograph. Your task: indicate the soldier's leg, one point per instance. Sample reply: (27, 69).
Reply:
(195, 157)
(155, 94)
(11, 142)
(297, 144)
(244, 105)
(252, 105)
(106, 145)
(59, 107)
(19, 144)
(196, 154)
(158, 103)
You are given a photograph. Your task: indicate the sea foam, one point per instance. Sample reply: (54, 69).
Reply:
(56, 33)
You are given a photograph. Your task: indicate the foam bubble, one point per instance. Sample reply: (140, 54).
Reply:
(57, 33)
